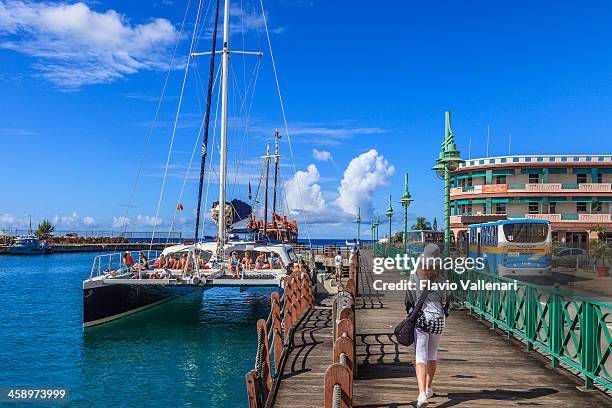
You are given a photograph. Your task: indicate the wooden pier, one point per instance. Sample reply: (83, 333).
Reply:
(478, 367)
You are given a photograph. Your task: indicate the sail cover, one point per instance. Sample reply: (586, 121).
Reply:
(235, 211)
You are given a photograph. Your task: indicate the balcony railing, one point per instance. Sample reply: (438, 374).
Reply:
(533, 187)
(591, 218)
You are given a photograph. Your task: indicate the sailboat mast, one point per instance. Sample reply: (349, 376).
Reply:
(224, 110)
(276, 156)
(266, 191)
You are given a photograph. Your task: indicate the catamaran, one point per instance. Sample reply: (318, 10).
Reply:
(254, 256)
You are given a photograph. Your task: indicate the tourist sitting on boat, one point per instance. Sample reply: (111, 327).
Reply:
(275, 261)
(171, 262)
(128, 262)
(144, 262)
(262, 262)
(187, 266)
(233, 264)
(160, 262)
(247, 261)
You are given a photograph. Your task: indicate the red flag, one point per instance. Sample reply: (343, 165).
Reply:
(179, 207)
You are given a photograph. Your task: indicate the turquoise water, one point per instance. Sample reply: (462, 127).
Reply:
(193, 351)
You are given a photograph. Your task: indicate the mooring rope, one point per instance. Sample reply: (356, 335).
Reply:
(337, 396)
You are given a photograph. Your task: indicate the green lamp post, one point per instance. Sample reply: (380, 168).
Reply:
(448, 161)
(389, 215)
(376, 224)
(358, 221)
(405, 202)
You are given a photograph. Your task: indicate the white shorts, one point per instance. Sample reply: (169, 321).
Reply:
(425, 346)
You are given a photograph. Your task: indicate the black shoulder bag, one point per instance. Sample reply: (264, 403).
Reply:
(404, 332)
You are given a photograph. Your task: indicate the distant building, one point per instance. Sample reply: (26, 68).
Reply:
(573, 192)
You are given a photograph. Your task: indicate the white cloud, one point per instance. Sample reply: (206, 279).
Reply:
(120, 221)
(75, 45)
(7, 219)
(362, 176)
(305, 182)
(73, 220)
(147, 220)
(321, 155)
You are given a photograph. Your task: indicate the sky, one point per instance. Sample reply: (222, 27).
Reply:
(85, 142)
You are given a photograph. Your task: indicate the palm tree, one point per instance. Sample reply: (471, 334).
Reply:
(45, 228)
(421, 224)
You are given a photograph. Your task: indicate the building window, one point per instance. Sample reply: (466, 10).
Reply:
(581, 207)
(500, 179)
(468, 181)
(534, 208)
(534, 178)
(552, 208)
(599, 178)
(500, 208)
(581, 178)
(597, 207)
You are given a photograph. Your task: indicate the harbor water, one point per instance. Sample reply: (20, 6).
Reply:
(193, 351)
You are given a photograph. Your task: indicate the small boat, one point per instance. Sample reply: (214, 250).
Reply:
(28, 245)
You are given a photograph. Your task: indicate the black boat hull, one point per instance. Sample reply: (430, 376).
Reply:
(105, 303)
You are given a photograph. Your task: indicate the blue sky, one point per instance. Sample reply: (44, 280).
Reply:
(80, 86)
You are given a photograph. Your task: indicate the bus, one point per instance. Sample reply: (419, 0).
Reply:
(416, 240)
(518, 247)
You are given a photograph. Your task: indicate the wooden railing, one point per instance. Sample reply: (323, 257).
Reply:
(339, 376)
(274, 337)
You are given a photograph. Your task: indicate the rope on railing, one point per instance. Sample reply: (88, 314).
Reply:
(339, 376)
(274, 335)
(337, 397)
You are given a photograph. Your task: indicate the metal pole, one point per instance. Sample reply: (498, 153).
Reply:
(224, 113)
(446, 211)
(358, 224)
(266, 190)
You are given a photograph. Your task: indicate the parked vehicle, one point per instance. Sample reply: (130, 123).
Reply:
(568, 257)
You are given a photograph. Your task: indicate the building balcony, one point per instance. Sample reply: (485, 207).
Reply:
(492, 189)
(553, 218)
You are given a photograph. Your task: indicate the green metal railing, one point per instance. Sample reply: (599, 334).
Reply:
(572, 330)
(569, 217)
(516, 186)
(570, 186)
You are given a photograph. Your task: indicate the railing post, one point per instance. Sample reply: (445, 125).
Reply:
(555, 328)
(344, 345)
(588, 339)
(253, 390)
(511, 312)
(264, 358)
(340, 375)
(530, 317)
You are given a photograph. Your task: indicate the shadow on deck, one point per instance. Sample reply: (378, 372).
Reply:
(477, 366)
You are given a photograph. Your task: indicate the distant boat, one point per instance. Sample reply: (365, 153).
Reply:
(28, 245)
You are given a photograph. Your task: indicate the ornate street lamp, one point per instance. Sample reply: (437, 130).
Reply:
(376, 224)
(405, 202)
(448, 161)
(389, 215)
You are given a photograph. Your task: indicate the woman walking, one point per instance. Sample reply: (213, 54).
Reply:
(431, 319)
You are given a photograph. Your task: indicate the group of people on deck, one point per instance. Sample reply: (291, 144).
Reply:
(263, 261)
(165, 263)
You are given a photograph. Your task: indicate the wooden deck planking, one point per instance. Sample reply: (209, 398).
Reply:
(477, 367)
